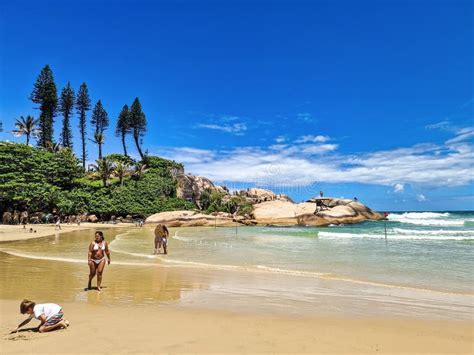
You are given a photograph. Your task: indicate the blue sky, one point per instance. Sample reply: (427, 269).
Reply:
(367, 99)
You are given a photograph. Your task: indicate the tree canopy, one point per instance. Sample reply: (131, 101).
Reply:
(45, 95)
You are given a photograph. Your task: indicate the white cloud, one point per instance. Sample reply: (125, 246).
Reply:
(234, 128)
(448, 164)
(305, 116)
(439, 125)
(398, 188)
(312, 139)
(462, 134)
(280, 139)
(420, 198)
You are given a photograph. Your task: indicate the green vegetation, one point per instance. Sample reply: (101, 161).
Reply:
(83, 104)
(44, 94)
(123, 127)
(100, 122)
(213, 201)
(66, 105)
(137, 123)
(39, 180)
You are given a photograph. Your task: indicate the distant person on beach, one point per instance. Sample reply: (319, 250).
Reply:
(50, 314)
(321, 194)
(98, 254)
(161, 238)
(58, 224)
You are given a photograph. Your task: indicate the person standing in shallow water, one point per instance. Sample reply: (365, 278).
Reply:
(98, 254)
(161, 238)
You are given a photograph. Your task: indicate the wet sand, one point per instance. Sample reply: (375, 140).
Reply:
(167, 309)
(159, 329)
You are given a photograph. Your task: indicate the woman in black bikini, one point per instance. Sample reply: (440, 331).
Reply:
(98, 253)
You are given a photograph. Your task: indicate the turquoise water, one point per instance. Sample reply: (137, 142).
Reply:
(426, 250)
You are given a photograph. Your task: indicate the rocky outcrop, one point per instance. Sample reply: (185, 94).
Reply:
(256, 195)
(191, 219)
(338, 211)
(191, 187)
(313, 213)
(276, 212)
(280, 212)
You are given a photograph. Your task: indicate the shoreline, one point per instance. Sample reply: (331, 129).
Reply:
(15, 232)
(165, 329)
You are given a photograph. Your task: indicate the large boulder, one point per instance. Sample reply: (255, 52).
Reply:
(281, 212)
(191, 219)
(92, 218)
(334, 211)
(191, 187)
(340, 211)
(7, 218)
(256, 195)
(312, 220)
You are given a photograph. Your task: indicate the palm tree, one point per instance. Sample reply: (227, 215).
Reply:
(140, 170)
(26, 126)
(54, 147)
(122, 170)
(104, 169)
(99, 139)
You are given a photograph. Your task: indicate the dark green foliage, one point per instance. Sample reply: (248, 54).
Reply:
(137, 123)
(83, 104)
(39, 180)
(213, 201)
(66, 105)
(123, 126)
(45, 95)
(163, 165)
(100, 121)
(31, 178)
(116, 158)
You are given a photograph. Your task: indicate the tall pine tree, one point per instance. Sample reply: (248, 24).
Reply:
(45, 95)
(100, 121)
(66, 105)
(137, 123)
(83, 104)
(123, 127)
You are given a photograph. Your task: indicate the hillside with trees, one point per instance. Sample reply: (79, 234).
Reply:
(50, 178)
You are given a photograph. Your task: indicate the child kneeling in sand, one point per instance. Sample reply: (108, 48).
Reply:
(50, 314)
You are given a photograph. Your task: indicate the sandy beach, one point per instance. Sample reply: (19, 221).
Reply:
(169, 309)
(9, 233)
(158, 329)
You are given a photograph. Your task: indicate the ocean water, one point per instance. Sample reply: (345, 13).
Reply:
(415, 259)
(423, 250)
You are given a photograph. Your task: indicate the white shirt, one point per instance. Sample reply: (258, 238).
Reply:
(48, 309)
